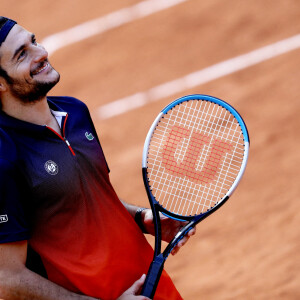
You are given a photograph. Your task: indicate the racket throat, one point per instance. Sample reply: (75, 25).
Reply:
(153, 276)
(178, 237)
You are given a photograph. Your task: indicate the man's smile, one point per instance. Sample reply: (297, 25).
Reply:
(42, 66)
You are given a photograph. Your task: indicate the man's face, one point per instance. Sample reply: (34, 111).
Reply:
(26, 62)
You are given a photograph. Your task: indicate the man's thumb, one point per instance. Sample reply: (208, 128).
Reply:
(135, 288)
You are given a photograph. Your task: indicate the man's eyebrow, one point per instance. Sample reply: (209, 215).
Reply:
(22, 47)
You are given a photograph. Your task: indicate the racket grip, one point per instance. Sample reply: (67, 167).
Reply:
(153, 276)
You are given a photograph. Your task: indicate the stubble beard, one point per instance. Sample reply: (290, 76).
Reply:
(30, 93)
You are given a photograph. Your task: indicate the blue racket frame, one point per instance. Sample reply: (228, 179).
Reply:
(159, 258)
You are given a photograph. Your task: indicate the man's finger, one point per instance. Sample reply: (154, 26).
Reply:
(192, 231)
(183, 241)
(137, 285)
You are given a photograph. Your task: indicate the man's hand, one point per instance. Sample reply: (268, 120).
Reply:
(169, 228)
(132, 292)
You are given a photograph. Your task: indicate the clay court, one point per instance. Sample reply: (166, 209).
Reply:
(249, 249)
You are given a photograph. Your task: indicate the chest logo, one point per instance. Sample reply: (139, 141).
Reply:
(3, 218)
(89, 136)
(51, 167)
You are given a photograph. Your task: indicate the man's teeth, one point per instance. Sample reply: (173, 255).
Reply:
(42, 69)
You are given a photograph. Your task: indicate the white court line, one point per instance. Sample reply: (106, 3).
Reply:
(194, 79)
(115, 19)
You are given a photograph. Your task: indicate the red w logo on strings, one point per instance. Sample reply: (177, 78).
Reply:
(186, 166)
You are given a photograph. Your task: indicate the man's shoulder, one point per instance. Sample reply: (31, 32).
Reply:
(7, 147)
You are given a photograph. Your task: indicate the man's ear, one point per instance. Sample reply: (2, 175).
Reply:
(3, 84)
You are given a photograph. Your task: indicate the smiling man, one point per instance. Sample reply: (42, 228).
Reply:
(28, 84)
(64, 233)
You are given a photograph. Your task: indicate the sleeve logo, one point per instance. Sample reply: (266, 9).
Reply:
(3, 218)
(51, 167)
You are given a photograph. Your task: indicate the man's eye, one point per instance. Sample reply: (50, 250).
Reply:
(22, 54)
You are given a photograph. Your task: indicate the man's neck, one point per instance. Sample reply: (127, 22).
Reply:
(37, 113)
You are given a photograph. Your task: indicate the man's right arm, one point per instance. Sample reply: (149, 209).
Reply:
(19, 283)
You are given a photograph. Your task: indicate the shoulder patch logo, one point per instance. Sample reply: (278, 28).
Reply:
(51, 167)
(89, 136)
(3, 218)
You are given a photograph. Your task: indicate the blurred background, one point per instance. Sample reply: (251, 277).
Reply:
(250, 248)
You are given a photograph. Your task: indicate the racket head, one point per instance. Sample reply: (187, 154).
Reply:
(194, 156)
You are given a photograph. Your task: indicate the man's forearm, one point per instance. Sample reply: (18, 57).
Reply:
(138, 214)
(130, 208)
(27, 285)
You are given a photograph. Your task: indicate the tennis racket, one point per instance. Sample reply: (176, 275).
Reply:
(194, 156)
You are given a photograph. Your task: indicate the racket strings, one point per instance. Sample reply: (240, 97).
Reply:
(194, 157)
(185, 186)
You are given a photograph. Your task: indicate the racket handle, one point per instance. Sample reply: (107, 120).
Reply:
(153, 276)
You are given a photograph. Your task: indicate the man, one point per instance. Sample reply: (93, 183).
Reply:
(58, 239)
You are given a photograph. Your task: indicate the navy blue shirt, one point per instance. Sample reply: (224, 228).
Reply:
(37, 163)
(55, 192)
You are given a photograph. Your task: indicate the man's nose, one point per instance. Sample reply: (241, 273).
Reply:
(40, 53)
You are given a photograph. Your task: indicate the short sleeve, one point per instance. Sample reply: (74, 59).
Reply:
(13, 223)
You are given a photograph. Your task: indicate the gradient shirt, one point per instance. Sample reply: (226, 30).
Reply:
(55, 192)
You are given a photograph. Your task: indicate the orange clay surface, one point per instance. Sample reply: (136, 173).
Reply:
(250, 248)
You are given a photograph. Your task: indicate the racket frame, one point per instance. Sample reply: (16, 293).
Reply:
(159, 257)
